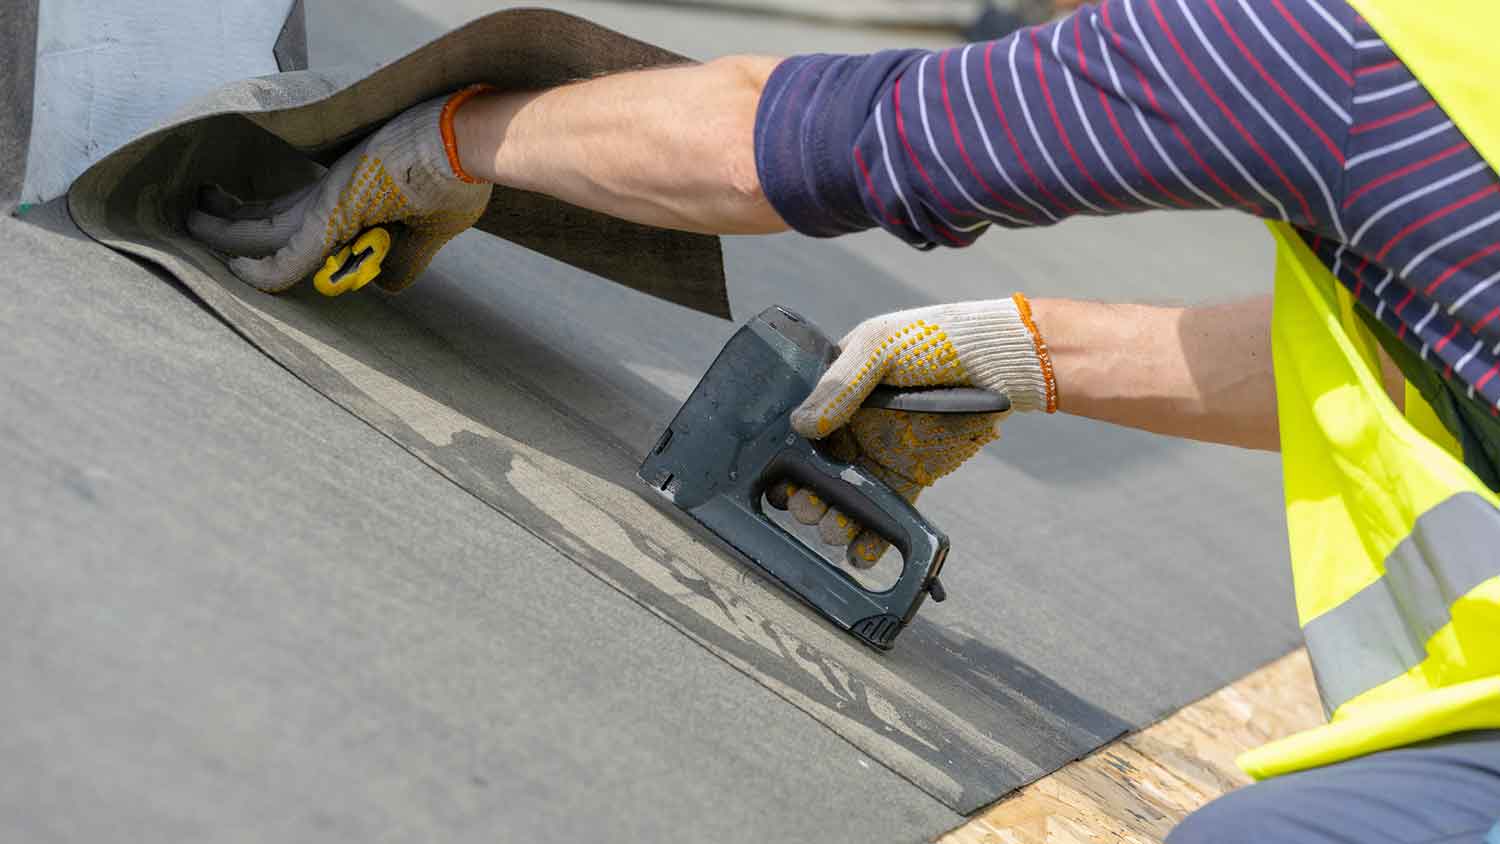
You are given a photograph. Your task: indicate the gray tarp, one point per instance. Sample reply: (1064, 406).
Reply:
(17, 66)
(1101, 578)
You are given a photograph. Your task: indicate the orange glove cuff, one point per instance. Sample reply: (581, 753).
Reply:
(445, 124)
(1024, 308)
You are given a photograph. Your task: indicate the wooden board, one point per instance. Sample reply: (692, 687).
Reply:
(1135, 790)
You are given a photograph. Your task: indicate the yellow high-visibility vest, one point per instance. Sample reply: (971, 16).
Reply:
(1395, 542)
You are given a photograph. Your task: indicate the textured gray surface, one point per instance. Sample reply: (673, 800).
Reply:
(554, 444)
(1101, 578)
(291, 43)
(233, 612)
(17, 66)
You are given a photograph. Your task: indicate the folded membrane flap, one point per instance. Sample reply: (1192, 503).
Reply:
(320, 114)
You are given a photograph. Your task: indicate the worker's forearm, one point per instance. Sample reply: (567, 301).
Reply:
(1203, 373)
(671, 147)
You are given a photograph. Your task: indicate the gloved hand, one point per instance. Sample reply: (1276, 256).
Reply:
(993, 345)
(407, 172)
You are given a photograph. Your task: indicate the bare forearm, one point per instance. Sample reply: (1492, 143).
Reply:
(1203, 373)
(670, 147)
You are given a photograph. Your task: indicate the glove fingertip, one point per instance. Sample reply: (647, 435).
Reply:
(215, 200)
(207, 227)
(779, 494)
(835, 528)
(858, 369)
(866, 550)
(805, 422)
(806, 507)
(822, 414)
(260, 274)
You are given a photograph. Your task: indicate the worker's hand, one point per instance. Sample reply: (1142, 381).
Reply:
(993, 345)
(907, 452)
(407, 172)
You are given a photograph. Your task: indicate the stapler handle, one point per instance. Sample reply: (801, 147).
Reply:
(938, 400)
(873, 504)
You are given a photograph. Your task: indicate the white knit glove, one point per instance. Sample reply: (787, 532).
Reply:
(993, 345)
(405, 173)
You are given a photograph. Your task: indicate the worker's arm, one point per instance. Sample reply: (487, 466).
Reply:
(670, 147)
(1203, 373)
(1122, 107)
(1127, 106)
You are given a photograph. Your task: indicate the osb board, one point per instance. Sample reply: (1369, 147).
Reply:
(1135, 790)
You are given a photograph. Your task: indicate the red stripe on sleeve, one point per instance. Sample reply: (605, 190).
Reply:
(1230, 116)
(1181, 136)
(859, 161)
(1405, 171)
(1114, 122)
(1340, 70)
(1333, 148)
(958, 140)
(1435, 215)
(1062, 133)
(1446, 338)
(1393, 118)
(1376, 68)
(1461, 266)
(1488, 318)
(1485, 378)
(989, 73)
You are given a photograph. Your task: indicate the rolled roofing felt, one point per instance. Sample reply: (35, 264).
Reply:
(260, 137)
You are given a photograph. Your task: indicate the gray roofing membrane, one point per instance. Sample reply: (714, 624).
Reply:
(1100, 578)
(233, 611)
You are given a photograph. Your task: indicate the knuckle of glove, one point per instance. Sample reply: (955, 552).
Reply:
(866, 550)
(807, 506)
(835, 528)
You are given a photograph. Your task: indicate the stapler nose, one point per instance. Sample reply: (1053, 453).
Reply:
(936, 590)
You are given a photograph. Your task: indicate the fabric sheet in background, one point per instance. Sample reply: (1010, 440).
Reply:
(480, 378)
(18, 46)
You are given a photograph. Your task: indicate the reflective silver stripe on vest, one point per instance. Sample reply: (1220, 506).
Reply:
(1382, 632)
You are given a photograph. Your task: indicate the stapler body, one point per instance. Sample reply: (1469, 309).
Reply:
(733, 438)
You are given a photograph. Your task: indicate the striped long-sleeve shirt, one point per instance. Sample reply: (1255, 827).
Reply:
(1292, 110)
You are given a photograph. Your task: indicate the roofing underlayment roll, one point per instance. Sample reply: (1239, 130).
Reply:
(533, 387)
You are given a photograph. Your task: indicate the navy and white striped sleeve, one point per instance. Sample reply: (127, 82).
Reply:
(1131, 105)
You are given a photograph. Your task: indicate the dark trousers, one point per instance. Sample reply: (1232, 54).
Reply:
(1440, 792)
